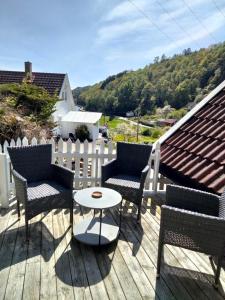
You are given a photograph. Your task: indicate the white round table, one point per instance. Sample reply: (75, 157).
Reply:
(100, 230)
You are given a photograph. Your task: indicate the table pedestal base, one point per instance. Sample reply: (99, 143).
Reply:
(88, 231)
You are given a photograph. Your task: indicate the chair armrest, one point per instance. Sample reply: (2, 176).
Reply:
(193, 230)
(144, 173)
(108, 170)
(193, 200)
(63, 176)
(21, 187)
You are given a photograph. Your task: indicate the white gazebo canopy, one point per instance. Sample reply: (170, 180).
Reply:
(85, 117)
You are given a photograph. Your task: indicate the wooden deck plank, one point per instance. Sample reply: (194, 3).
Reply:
(200, 288)
(135, 239)
(150, 243)
(104, 257)
(4, 222)
(15, 284)
(167, 281)
(48, 276)
(62, 267)
(183, 266)
(78, 273)
(33, 264)
(124, 276)
(172, 258)
(142, 267)
(7, 250)
(201, 264)
(95, 280)
(113, 286)
(53, 267)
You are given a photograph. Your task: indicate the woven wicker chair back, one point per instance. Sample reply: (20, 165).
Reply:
(32, 162)
(132, 158)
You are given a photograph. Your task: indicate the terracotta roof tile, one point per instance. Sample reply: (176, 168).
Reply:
(210, 176)
(218, 184)
(199, 165)
(190, 164)
(196, 151)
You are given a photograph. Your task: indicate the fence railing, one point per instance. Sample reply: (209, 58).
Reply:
(85, 159)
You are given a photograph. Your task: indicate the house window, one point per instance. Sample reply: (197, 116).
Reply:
(65, 96)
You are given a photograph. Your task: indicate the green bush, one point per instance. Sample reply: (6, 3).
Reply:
(82, 133)
(31, 99)
(147, 132)
(156, 133)
(2, 112)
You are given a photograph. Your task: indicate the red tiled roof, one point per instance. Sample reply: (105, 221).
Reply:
(195, 154)
(50, 81)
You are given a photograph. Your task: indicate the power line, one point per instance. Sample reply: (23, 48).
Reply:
(178, 24)
(219, 9)
(141, 11)
(199, 20)
(152, 23)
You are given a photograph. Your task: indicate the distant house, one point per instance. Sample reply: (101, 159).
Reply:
(130, 114)
(193, 150)
(166, 122)
(52, 82)
(70, 121)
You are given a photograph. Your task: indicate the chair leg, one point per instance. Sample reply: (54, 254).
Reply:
(159, 259)
(71, 219)
(217, 276)
(27, 229)
(18, 209)
(139, 213)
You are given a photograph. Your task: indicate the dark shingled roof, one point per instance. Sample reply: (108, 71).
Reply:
(194, 155)
(50, 81)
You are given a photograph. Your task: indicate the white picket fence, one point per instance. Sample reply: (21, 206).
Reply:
(85, 159)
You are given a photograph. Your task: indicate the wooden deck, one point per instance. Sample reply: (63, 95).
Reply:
(53, 267)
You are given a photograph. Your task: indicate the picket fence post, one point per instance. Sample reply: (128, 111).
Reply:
(156, 167)
(4, 184)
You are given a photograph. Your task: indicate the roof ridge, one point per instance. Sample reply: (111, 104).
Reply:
(11, 71)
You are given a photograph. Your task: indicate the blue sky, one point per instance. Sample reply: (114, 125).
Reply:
(92, 39)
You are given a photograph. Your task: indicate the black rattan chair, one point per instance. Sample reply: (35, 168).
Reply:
(40, 185)
(194, 220)
(127, 173)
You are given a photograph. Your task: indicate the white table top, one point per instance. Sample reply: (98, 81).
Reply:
(110, 198)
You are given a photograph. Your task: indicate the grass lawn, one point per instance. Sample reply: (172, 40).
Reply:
(141, 139)
(112, 124)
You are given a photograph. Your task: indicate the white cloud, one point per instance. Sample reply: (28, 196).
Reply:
(216, 21)
(196, 33)
(125, 18)
(136, 41)
(126, 9)
(117, 30)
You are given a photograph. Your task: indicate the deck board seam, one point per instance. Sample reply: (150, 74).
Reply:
(17, 228)
(82, 210)
(188, 271)
(138, 260)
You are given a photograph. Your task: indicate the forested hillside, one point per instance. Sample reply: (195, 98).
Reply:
(184, 78)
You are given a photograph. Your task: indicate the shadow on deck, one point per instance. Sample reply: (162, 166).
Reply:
(53, 265)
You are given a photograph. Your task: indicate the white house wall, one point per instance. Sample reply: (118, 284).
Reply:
(61, 108)
(70, 127)
(95, 131)
(66, 102)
